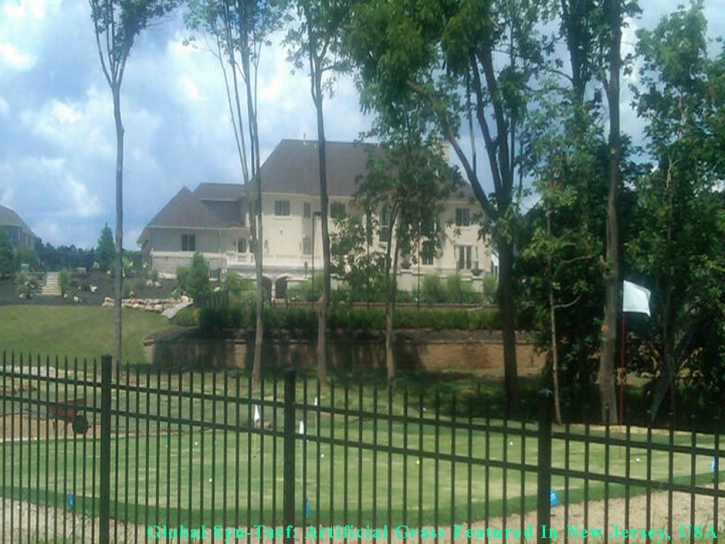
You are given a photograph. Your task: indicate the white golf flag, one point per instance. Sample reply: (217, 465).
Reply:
(302, 427)
(257, 416)
(635, 298)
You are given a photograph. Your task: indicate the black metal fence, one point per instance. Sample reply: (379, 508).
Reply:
(90, 455)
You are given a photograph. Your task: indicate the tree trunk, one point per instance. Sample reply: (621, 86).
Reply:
(552, 318)
(118, 277)
(324, 223)
(391, 286)
(507, 309)
(611, 271)
(258, 249)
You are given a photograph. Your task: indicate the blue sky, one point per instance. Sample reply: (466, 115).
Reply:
(57, 137)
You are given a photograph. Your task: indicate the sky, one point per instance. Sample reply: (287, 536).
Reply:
(57, 135)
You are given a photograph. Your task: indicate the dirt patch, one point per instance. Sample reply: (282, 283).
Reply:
(38, 427)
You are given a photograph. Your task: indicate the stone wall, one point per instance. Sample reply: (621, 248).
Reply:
(433, 350)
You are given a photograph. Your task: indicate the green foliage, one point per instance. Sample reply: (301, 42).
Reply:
(64, 281)
(238, 286)
(462, 292)
(306, 291)
(302, 321)
(7, 255)
(198, 281)
(433, 290)
(182, 278)
(679, 248)
(490, 288)
(105, 249)
(27, 256)
(26, 285)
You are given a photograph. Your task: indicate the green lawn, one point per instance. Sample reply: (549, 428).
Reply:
(171, 473)
(74, 331)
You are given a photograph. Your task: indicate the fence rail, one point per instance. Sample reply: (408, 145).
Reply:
(211, 457)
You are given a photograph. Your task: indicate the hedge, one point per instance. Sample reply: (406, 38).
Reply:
(340, 317)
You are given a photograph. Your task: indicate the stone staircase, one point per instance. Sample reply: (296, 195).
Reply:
(52, 285)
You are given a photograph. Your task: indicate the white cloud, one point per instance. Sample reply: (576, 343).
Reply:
(4, 109)
(11, 57)
(83, 203)
(83, 126)
(24, 9)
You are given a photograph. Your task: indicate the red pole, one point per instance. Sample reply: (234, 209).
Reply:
(622, 375)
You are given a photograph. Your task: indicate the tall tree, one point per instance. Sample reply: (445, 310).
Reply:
(240, 29)
(457, 57)
(316, 41)
(679, 242)
(406, 187)
(7, 255)
(117, 23)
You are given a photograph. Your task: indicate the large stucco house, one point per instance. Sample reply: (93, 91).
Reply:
(213, 219)
(19, 233)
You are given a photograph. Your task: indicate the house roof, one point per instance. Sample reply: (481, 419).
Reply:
(8, 218)
(220, 191)
(294, 168)
(187, 210)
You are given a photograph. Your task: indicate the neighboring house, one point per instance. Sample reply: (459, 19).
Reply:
(213, 219)
(20, 234)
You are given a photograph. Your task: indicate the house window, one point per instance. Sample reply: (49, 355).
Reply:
(306, 245)
(384, 224)
(464, 257)
(427, 252)
(188, 242)
(337, 210)
(242, 245)
(463, 217)
(281, 208)
(308, 210)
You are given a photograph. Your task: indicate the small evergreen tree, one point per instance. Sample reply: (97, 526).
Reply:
(7, 255)
(106, 249)
(198, 280)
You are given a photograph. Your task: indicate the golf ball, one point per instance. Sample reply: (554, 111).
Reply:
(211, 480)
(417, 462)
(196, 443)
(322, 455)
(511, 443)
(637, 459)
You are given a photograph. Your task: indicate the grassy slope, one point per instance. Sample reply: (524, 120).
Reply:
(83, 332)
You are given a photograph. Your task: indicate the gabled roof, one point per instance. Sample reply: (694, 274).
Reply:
(8, 218)
(294, 168)
(220, 191)
(186, 210)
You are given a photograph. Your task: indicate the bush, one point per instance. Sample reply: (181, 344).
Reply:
(237, 285)
(433, 291)
(64, 281)
(303, 321)
(461, 292)
(198, 283)
(26, 286)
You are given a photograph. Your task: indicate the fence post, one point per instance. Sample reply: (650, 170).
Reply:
(543, 503)
(289, 455)
(105, 469)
